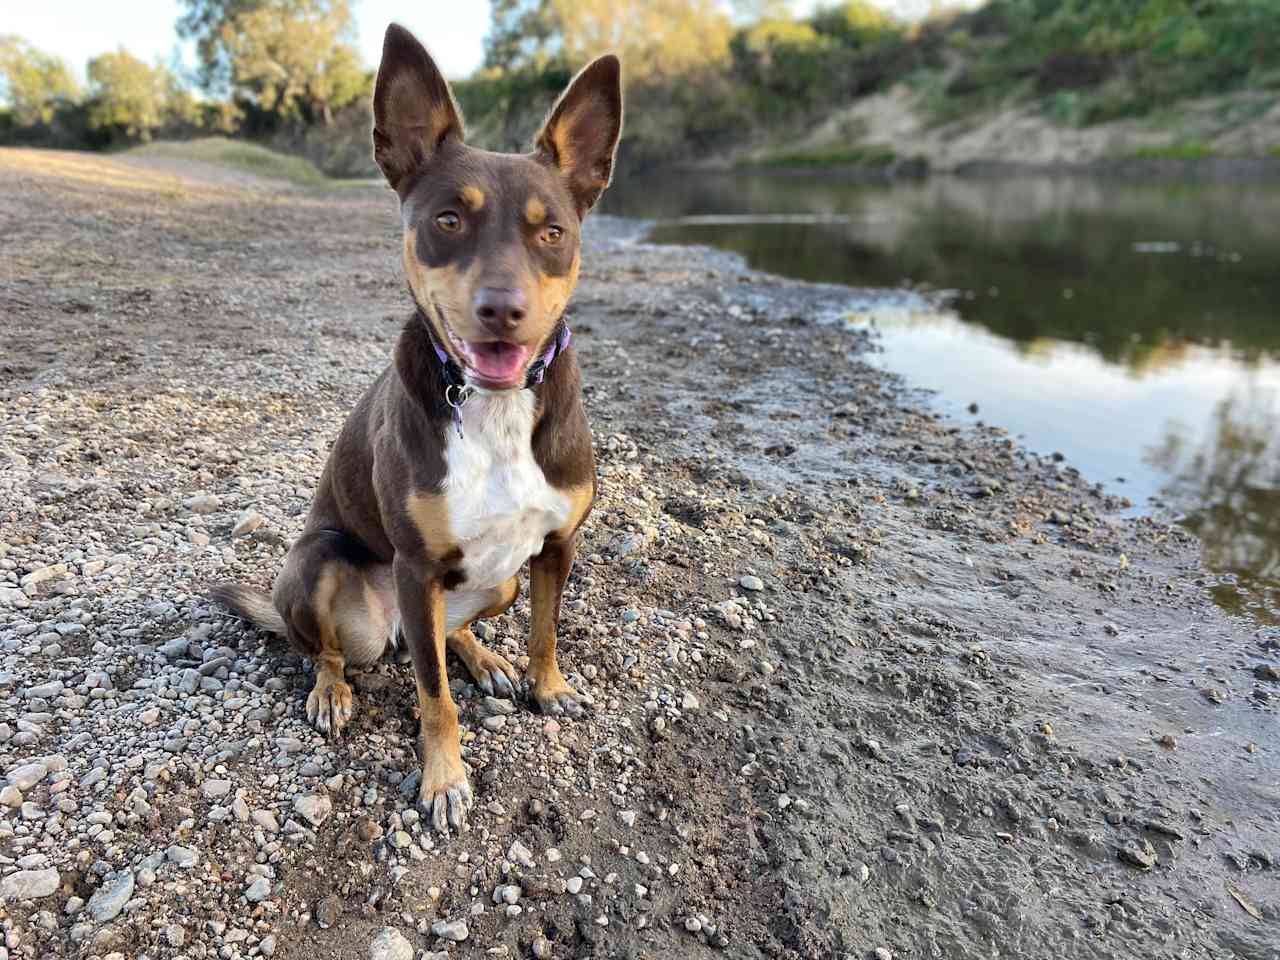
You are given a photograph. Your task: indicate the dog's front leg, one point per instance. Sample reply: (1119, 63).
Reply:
(548, 572)
(445, 795)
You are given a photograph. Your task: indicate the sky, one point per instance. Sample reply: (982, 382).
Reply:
(453, 30)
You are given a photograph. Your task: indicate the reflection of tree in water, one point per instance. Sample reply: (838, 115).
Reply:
(1230, 488)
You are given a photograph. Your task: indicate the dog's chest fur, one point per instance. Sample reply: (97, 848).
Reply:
(499, 503)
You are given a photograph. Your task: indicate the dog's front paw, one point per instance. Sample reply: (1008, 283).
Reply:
(330, 705)
(554, 696)
(445, 796)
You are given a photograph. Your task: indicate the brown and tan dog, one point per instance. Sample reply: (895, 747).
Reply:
(471, 453)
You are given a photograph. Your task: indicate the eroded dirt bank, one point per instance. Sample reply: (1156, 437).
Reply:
(864, 683)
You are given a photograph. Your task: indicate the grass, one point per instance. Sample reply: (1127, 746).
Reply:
(869, 157)
(1187, 150)
(249, 157)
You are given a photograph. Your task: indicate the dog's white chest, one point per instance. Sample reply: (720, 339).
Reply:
(500, 506)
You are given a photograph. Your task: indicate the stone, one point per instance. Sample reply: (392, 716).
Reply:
(390, 944)
(519, 853)
(328, 911)
(541, 947)
(751, 583)
(30, 884)
(494, 724)
(110, 898)
(247, 522)
(175, 935)
(215, 789)
(574, 885)
(258, 891)
(11, 797)
(28, 775)
(314, 808)
(453, 930)
(184, 857)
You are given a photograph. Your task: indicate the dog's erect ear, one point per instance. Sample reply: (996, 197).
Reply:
(413, 110)
(581, 134)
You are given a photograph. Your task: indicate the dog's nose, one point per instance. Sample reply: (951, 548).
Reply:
(500, 309)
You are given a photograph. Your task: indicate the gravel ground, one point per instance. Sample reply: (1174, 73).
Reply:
(863, 682)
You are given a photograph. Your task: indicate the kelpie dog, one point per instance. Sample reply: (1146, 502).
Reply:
(471, 453)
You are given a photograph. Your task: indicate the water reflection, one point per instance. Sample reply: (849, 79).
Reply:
(1132, 326)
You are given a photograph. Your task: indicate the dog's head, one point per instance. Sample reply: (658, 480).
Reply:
(491, 240)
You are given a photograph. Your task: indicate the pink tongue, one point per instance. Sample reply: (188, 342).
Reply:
(500, 362)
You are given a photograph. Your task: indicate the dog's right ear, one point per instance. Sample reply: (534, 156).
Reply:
(413, 110)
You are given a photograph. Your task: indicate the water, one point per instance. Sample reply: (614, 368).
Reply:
(1132, 326)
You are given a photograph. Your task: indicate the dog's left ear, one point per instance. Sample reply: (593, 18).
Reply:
(580, 136)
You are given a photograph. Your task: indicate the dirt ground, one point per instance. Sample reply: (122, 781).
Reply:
(864, 682)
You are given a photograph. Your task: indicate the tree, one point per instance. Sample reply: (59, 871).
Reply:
(522, 33)
(128, 95)
(654, 38)
(293, 59)
(35, 84)
(203, 23)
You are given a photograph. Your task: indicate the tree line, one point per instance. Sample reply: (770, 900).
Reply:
(263, 66)
(701, 76)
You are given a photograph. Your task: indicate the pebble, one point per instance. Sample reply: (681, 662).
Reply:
(574, 885)
(454, 930)
(247, 522)
(541, 947)
(30, 884)
(752, 583)
(28, 775)
(184, 857)
(11, 797)
(109, 899)
(884, 953)
(390, 944)
(519, 853)
(258, 891)
(494, 724)
(215, 789)
(314, 808)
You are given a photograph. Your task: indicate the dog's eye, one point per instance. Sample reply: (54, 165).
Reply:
(449, 222)
(553, 234)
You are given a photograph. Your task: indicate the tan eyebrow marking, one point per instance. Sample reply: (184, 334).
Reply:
(473, 197)
(535, 211)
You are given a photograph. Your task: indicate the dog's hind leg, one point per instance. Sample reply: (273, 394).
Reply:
(331, 607)
(492, 672)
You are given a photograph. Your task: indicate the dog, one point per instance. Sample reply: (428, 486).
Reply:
(471, 453)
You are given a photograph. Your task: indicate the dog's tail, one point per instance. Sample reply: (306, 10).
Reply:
(250, 604)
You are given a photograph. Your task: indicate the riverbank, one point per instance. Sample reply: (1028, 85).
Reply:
(861, 678)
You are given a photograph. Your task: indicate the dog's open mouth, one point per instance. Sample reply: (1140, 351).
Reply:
(496, 364)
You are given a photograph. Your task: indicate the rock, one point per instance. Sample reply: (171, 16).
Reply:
(266, 820)
(175, 935)
(521, 854)
(175, 648)
(497, 707)
(11, 797)
(183, 857)
(689, 703)
(110, 898)
(693, 924)
(454, 930)
(390, 944)
(574, 885)
(30, 884)
(1142, 856)
(494, 724)
(267, 945)
(368, 829)
(45, 691)
(751, 583)
(247, 522)
(314, 808)
(205, 503)
(215, 789)
(884, 953)
(28, 775)
(1265, 671)
(541, 947)
(328, 911)
(258, 891)
(628, 818)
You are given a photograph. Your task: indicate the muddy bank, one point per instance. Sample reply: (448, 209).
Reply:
(861, 680)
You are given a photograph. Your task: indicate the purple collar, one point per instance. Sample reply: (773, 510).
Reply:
(457, 390)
